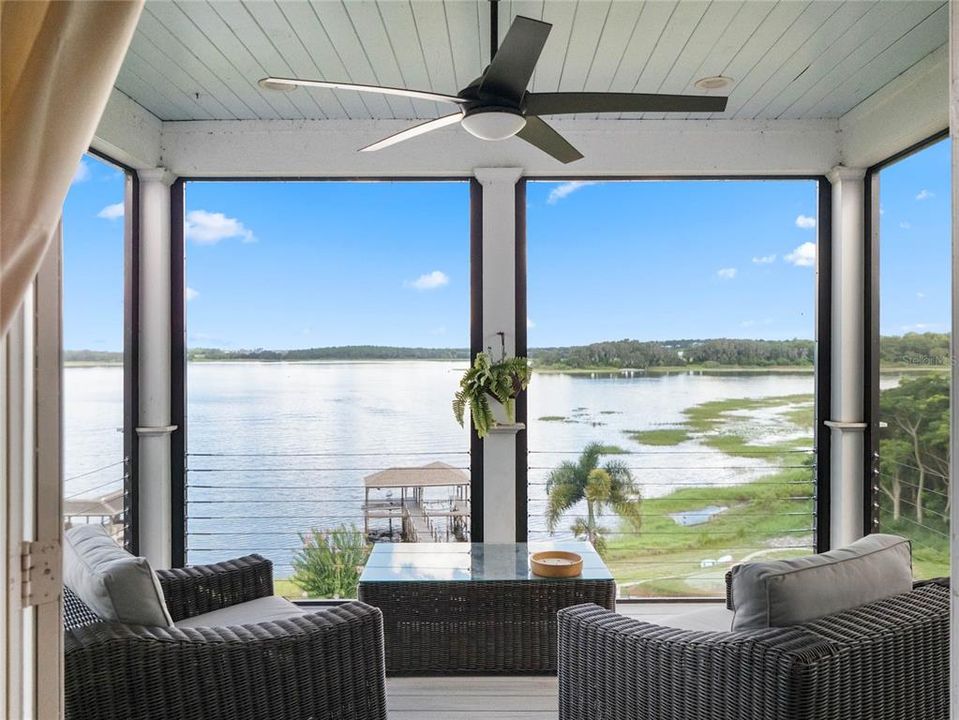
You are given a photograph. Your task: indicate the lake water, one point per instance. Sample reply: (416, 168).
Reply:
(278, 448)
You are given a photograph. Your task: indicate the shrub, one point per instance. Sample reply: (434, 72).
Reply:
(330, 563)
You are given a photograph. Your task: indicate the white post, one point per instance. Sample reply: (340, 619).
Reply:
(499, 316)
(954, 405)
(155, 363)
(847, 474)
(48, 491)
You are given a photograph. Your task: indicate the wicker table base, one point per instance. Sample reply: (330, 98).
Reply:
(441, 617)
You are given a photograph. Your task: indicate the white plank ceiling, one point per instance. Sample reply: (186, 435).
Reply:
(791, 59)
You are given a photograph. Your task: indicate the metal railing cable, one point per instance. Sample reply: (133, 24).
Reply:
(88, 473)
(332, 454)
(89, 490)
(927, 471)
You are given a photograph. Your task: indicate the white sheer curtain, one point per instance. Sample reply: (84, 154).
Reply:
(59, 60)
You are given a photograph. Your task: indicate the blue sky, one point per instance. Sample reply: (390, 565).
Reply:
(282, 265)
(914, 198)
(93, 258)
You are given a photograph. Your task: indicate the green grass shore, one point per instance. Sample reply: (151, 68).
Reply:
(770, 517)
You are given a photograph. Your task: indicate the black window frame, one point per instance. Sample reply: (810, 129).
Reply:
(178, 341)
(131, 348)
(822, 371)
(871, 361)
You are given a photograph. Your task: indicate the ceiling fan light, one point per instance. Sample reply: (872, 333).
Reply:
(714, 82)
(494, 124)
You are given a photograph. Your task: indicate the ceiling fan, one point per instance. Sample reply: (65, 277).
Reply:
(496, 105)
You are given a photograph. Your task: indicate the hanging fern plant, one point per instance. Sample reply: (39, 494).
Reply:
(486, 380)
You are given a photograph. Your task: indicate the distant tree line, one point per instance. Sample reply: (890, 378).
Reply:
(909, 349)
(92, 356)
(344, 352)
(636, 354)
(915, 349)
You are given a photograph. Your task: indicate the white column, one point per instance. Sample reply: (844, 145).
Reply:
(154, 426)
(499, 316)
(954, 427)
(848, 371)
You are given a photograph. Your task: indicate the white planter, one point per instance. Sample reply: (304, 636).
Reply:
(499, 414)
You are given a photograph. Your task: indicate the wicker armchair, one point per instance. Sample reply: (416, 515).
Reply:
(887, 660)
(324, 665)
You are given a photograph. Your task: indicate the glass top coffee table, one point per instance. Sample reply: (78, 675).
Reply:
(473, 608)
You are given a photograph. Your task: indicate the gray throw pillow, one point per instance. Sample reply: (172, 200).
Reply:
(113, 583)
(791, 592)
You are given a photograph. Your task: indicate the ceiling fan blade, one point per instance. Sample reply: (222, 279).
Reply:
(512, 66)
(588, 102)
(537, 132)
(414, 131)
(275, 83)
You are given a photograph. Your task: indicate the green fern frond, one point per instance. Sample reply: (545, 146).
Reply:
(486, 380)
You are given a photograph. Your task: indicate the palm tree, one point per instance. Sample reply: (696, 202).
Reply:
(608, 487)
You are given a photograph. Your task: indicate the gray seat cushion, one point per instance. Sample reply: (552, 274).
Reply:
(113, 583)
(713, 617)
(265, 609)
(791, 592)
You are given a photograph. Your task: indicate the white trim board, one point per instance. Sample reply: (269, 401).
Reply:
(327, 148)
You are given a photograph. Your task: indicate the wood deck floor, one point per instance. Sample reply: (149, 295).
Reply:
(484, 698)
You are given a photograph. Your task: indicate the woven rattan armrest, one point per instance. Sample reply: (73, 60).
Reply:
(200, 589)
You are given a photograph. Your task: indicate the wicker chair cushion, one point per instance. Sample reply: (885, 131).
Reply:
(713, 617)
(113, 583)
(252, 612)
(792, 592)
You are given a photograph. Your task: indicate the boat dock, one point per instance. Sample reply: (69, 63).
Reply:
(420, 518)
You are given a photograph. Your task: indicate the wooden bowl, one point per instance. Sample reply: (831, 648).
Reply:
(556, 564)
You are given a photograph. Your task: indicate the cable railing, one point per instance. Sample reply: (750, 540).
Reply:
(919, 512)
(278, 503)
(699, 513)
(98, 497)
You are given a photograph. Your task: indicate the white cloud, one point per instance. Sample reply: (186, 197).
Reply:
(806, 222)
(191, 294)
(209, 228)
(726, 273)
(82, 173)
(920, 327)
(925, 194)
(566, 189)
(430, 281)
(764, 259)
(530, 324)
(111, 212)
(905, 225)
(803, 256)
(920, 296)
